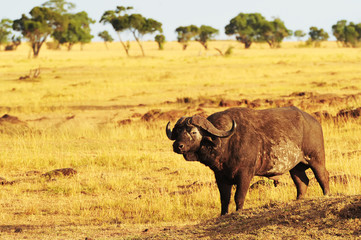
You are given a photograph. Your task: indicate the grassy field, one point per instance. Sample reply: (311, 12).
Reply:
(87, 110)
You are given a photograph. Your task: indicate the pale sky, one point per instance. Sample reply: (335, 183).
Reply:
(172, 14)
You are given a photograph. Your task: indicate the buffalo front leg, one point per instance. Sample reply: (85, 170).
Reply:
(225, 192)
(242, 188)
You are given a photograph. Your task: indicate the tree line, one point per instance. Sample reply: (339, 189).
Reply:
(54, 19)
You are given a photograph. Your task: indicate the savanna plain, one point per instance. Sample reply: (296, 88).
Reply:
(103, 115)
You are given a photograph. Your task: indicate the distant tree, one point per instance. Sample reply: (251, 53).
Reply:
(140, 26)
(5, 26)
(62, 8)
(274, 32)
(349, 35)
(75, 29)
(185, 34)
(299, 34)
(119, 21)
(341, 32)
(71, 28)
(15, 42)
(317, 36)
(160, 39)
(135, 23)
(247, 27)
(37, 27)
(202, 34)
(106, 37)
(206, 33)
(59, 6)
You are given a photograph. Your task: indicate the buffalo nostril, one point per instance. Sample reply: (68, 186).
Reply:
(181, 146)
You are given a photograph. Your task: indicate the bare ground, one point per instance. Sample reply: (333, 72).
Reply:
(335, 217)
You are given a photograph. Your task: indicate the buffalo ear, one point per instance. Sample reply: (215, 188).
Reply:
(169, 132)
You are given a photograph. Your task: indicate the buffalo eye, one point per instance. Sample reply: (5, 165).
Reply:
(193, 131)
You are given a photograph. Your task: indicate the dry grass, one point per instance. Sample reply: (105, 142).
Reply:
(127, 174)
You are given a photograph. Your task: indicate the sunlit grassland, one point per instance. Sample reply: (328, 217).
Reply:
(128, 174)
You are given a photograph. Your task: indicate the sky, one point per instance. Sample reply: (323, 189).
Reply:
(296, 14)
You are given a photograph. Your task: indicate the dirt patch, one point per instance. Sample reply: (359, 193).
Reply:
(321, 115)
(100, 108)
(3, 181)
(63, 121)
(137, 115)
(230, 103)
(324, 218)
(151, 115)
(11, 124)
(11, 119)
(33, 173)
(62, 172)
(190, 188)
(172, 115)
(305, 100)
(353, 113)
(39, 119)
(124, 122)
(302, 94)
(34, 176)
(343, 113)
(200, 101)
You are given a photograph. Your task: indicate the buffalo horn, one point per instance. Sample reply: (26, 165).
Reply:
(209, 127)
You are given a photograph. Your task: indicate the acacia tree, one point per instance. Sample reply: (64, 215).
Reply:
(160, 39)
(274, 32)
(37, 27)
(135, 23)
(185, 34)
(119, 21)
(247, 27)
(139, 26)
(5, 26)
(349, 35)
(75, 29)
(206, 33)
(59, 6)
(72, 28)
(253, 27)
(106, 37)
(299, 34)
(317, 36)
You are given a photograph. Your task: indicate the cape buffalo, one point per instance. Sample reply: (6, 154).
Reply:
(240, 143)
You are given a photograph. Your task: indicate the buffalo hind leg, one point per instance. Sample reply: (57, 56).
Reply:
(300, 179)
(321, 175)
(225, 190)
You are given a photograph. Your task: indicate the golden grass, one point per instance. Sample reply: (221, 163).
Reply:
(128, 174)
